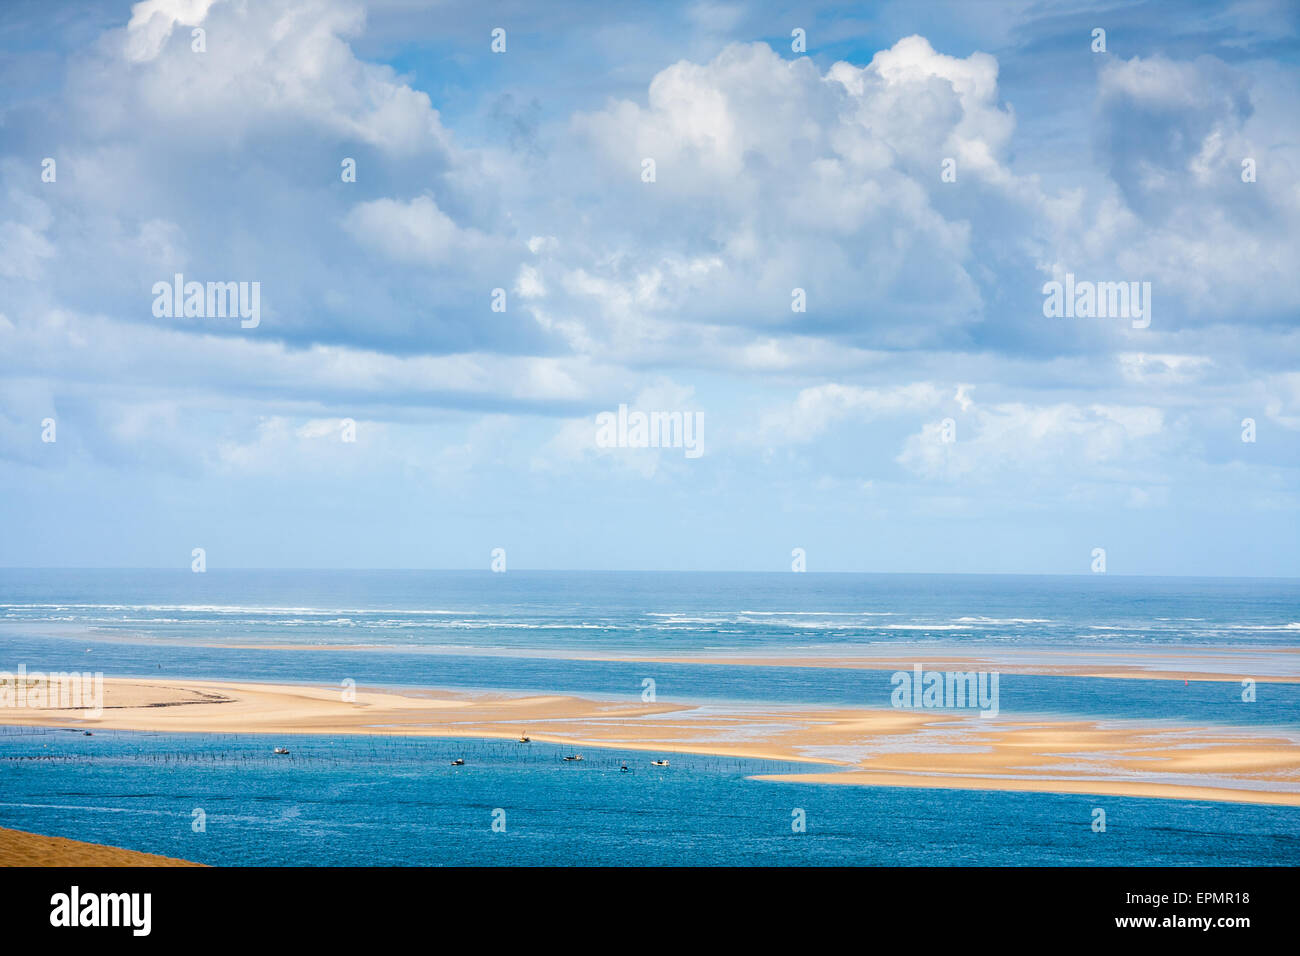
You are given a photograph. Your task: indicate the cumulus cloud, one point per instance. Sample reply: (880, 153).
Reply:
(262, 62)
(152, 22)
(1177, 138)
(771, 175)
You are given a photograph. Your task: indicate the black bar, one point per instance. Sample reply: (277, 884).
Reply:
(935, 906)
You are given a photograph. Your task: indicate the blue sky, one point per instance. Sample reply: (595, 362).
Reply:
(775, 170)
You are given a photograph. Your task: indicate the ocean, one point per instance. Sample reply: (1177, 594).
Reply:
(397, 800)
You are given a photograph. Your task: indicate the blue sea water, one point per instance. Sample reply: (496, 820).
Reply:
(396, 800)
(656, 611)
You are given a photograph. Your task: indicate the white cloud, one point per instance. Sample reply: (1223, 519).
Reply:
(816, 409)
(266, 60)
(1017, 443)
(416, 231)
(1148, 369)
(574, 443)
(152, 23)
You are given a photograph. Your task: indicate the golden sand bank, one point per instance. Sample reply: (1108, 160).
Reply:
(31, 849)
(907, 748)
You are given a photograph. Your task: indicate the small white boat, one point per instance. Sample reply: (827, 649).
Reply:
(458, 762)
(658, 763)
(574, 757)
(282, 750)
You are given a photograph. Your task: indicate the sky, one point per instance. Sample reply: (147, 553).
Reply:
(820, 233)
